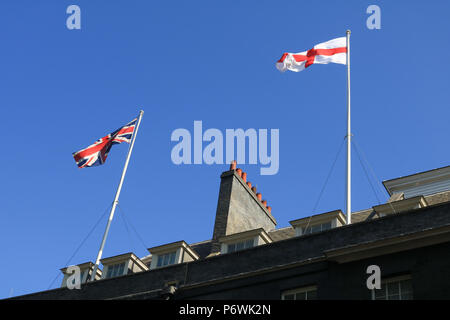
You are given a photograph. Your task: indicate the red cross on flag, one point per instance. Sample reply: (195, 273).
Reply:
(331, 51)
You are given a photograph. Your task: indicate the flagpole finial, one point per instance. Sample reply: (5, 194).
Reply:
(348, 32)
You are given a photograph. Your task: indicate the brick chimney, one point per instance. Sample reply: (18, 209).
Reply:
(239, 208)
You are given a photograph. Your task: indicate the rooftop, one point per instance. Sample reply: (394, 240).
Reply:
(245, 226)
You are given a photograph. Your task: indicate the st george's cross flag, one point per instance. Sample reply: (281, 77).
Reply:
(96, 154)
(331, 51)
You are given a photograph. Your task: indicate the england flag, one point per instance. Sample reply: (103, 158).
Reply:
(334, 51)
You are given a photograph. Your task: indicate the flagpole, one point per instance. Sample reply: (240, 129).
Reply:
(349, 138)
(116, 198)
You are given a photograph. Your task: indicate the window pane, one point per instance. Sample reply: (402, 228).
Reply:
(159, 261)
(111, 274)
(326, 226)
(300, 296)
(316, 228)
(166, 260)
(311, 295)
(306, 231)
(239, 246)
(406, 286)
(396, 290)
(121, 268)
(393, 288)
(249, 244)
(115, 270)
(303, 293)
(172, 258)
(407, 296)
(393, 297)
(380, 294)
(231, 247)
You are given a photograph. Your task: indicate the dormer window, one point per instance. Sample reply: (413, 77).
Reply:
(318, 223)
(241, 245)
(317, 227)
(85, 273)
(166, 259)
(172, 253)
(420, 184)
(122, 265)
(244, 240)
(115, 270)
(400, 206)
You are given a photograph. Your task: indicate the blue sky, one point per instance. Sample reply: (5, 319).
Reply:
(212, 61)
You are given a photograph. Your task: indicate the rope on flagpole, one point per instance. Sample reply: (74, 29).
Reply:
(365, 171)
(364, 157)
(81, 244)
(126, 227)
(127, 221)
(359, 150)
(325, 184)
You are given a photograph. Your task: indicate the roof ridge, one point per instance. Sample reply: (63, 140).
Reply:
(274, 230)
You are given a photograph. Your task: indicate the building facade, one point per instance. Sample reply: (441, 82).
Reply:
(320, 257)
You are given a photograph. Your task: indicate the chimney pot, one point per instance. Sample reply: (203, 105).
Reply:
(254, 189)
(233, 165)
(264, 202)
(249, 184)
(244, 176)
(269, 208)
(259, 196)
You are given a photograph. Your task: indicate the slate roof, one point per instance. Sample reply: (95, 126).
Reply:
(282, 233)
(203, 248)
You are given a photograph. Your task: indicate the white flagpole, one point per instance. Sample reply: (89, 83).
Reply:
(116, 198)
(349, 138)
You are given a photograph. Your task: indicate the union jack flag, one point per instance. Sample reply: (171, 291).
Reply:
(96, 153)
